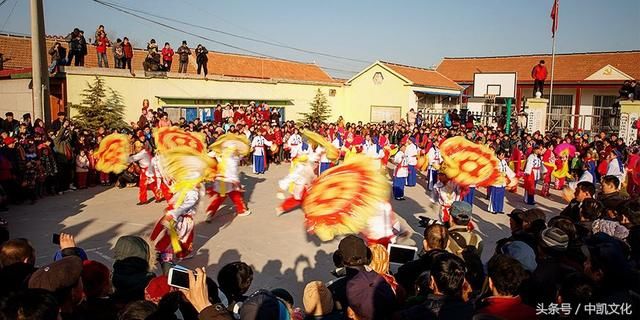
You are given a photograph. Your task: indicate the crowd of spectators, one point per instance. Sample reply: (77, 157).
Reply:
(157, 59)
(547, 268)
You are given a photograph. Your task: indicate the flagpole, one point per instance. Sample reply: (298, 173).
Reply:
(553, 66)
(553, 51)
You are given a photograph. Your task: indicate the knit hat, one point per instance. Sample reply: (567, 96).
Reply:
(131, 246)
(523, 253)
(157, 288)
(95, 276)
(317, 299)
(610, 227)
(554, 238)
(354, 251)
(460, 210)
(60, 274)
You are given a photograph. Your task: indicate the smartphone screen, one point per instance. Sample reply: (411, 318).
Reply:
(55, 239)
(178, 278)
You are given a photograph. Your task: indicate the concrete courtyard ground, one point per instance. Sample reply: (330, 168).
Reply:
(280, 251)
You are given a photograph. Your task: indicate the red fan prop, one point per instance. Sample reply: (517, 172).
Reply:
(113, 153)
(468, 163)
(171, 137)
(343, 198)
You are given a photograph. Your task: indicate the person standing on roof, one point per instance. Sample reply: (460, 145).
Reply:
(539, 75)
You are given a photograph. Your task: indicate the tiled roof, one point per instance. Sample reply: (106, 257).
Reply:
(423, 77)
(572, 67)
(18, 49)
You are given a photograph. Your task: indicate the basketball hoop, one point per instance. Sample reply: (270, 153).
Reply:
(490, 97)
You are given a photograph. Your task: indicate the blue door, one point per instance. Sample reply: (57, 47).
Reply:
(190, 114)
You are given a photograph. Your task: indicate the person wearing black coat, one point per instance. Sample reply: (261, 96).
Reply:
(202, 59)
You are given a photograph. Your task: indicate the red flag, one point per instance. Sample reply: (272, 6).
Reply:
(554, 18)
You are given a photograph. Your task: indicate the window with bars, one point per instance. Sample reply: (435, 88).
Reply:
(560, 113)
(605, 118)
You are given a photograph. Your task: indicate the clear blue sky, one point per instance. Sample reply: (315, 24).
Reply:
(416, 33)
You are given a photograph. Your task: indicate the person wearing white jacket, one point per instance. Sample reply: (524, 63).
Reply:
(400, 174)
(295, 183)
(295, 144)
(259, 145)
(497, 191)
(143, 158)
(226, 183)
(412, 161)
(435, 160)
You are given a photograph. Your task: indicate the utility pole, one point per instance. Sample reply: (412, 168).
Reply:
(39, 71)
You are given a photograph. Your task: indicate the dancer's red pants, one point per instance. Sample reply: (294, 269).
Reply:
(236, 198)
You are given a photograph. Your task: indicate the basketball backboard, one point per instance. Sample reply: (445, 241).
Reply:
(498, 84)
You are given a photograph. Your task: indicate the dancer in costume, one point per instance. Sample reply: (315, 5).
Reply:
(497, 190)
(227, 182)
(615, 166)
(532, 173)
(471, 193)
(179, 220)
(446, 191)
(435, 160)
(372, 150)
(259, 144)
(412, 160)
(295, 144)
(324, 162)
(400, 174)
(186, 168)
(162, 190)
(549, 165)
(146, 177)
(295, 183)
(383, 227)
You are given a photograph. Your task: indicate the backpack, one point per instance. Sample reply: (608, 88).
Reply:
(459, 243)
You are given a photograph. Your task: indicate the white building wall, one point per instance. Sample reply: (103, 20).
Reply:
(15, 96)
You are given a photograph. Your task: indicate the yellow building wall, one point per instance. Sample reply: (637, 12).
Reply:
(135, 89)
(363, 93)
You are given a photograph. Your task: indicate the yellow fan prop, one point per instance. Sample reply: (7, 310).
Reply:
(468, 163)
(343, 198)
(113, 153)
(237, 141)
(332, 152)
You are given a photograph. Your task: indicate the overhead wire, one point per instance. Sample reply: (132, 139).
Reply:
(124, 10)
(10, 13)
(276, 44)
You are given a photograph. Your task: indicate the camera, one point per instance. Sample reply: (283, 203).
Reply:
(425, 222)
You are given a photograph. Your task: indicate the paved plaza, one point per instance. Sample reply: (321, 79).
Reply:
(278, 248)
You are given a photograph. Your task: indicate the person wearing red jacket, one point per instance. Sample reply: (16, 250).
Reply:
(128, 53)
(167, 56)
(539, 74)
(101, 48)
(279, 141)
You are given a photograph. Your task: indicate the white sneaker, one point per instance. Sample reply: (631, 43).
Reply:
(72, 187)
(279, 212)
(244, 214)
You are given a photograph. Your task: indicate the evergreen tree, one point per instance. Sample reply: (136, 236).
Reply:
(99, 110)
(320, 109)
